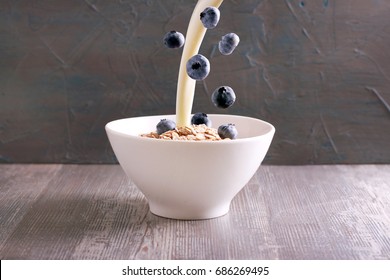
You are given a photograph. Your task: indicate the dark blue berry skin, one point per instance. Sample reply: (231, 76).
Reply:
(223, 97)
(165, 125)
(227, 131)
(174, 39)
(210, 17)
(200, 118)
(198, 67)
(228, 43)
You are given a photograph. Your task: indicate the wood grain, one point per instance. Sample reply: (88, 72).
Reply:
(285, 212)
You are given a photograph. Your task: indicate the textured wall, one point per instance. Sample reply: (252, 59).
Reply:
(318, 70)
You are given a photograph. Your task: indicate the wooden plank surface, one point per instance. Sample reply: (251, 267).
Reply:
(285, 212)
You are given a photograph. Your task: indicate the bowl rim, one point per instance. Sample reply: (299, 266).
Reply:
(270, 130)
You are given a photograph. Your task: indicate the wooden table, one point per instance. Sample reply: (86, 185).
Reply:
(285, 212)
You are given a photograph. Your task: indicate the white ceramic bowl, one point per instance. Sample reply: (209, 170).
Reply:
(189, 179)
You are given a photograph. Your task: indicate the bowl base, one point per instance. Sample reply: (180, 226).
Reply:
(188, 214)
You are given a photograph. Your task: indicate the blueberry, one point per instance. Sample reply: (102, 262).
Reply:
(210, 17)
(198, 67)
(227, 131)
(228, 43)
(200, 118)
(223, 97)
(174, 39)
(165, 125)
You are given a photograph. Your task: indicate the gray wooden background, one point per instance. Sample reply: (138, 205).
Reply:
(319, 70)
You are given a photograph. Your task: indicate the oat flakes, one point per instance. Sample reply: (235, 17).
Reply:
(190, 133)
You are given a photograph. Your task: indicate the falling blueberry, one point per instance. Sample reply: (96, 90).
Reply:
(227, 131)
(174, 39)
(210, 17)
(201, 118)
(228, 43)
(198, 67)
(223, 97)
(165, 125)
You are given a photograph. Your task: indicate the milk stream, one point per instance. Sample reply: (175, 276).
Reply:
(186, 85)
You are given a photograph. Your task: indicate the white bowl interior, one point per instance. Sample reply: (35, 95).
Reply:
(247, 127)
